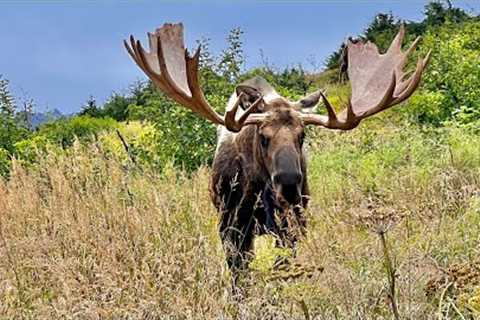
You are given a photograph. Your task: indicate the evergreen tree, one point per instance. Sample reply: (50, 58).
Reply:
(91, 109)
(117, 107)
(7, 102)
(10, 131)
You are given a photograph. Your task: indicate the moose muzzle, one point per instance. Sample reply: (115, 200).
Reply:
(287, 177)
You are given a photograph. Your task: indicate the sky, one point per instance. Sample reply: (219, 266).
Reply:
(59, 53)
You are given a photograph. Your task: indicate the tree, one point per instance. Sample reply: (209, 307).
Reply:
(7, 102)
(212, 81)
(382, 30)
(294, 79)
(232, 58)
(117, 107)
(90, 108)
(24, 116)
(10, 130)
(438, 12)
(334, 59)
(382, 23)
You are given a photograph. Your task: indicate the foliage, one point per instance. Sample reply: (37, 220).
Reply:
(90, 108)
(449, 92)
(5, 162)
(29, 150)
(384, 26)
(232, 58)
(103, 238)
(56, 137)
(64, 131)
(180, 135)
(451, 85)
(427, 107)
(89, 228)
(382, 30)
(10, 129)
(117, 107)
(7, 102)
(439, 12)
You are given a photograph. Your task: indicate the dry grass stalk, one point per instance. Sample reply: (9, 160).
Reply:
(88, 239)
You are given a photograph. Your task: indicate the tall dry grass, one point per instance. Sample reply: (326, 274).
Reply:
(84, 235)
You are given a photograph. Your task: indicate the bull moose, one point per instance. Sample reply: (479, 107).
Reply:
(259, 176)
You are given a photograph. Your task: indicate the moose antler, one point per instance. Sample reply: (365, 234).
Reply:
(377, 82)
(175, 72)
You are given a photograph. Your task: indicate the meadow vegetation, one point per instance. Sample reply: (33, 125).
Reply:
(107, 214)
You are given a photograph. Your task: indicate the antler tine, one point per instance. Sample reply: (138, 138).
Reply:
(158, 78)
(192, 64)
(376, 80)
(129, 49)
(414, 80)
(132, 50)
(402, 84)
(331, 112)
(251, 110)
(413, 46)
(138, 54)
(171, 68)
(396, 45)
(235, 125)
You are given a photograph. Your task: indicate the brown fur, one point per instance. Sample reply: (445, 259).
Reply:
(241, 186)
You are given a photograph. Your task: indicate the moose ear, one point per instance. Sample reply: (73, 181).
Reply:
(250, 95)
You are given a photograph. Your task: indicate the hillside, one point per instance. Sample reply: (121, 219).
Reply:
(107, 214)
(90, 234)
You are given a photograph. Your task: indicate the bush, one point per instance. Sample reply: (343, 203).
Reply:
(452, 80)
(58, 135)
(63, 132)
(4, 162)
(181, 135)
(29, 150)
(427, 107)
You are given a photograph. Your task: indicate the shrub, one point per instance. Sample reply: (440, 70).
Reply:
(58, 135)
(180, 135)
(452, 80)
(4, 162)
(63, 132)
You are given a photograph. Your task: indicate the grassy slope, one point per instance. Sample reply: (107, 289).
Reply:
(86, 236)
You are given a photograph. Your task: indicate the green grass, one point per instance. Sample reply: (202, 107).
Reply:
(87, 234)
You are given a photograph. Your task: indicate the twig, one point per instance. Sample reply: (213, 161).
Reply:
(391, 273)
(440, 302)
(304, 307)
(132, 158)
(126, 147)
(452, 303)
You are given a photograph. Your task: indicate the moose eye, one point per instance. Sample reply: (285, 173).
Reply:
(264, 141)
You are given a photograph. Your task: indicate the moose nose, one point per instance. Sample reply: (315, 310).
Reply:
(287, 178)
(287, 185)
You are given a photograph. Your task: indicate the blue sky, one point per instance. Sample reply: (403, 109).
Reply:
(60, 53)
